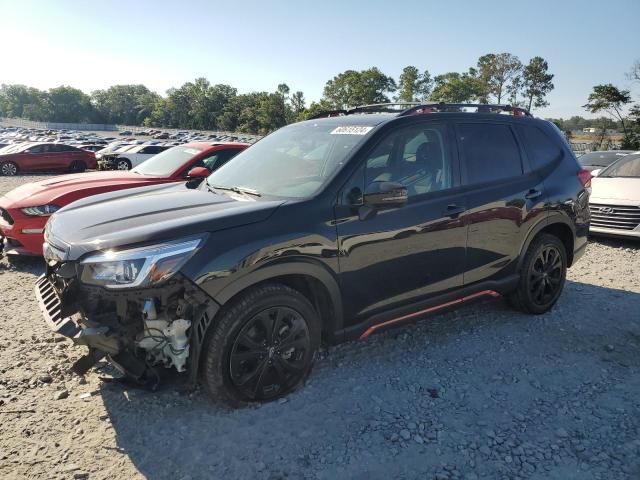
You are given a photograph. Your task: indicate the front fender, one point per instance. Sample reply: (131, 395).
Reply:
(293, 267)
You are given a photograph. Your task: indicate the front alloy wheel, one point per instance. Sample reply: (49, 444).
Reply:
(261, 345)
(270, 353)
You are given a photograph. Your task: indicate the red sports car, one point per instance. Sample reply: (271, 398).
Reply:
(24, 211)
(46, 157)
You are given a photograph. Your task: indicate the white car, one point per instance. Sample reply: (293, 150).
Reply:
(130, 157)
(615, 198)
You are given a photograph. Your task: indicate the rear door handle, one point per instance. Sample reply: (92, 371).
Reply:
(453, 211)
(533, 194)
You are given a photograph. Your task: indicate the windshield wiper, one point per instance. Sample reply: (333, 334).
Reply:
(242, 190)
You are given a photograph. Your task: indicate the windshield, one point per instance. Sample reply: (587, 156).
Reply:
(600, 159)
(292, 162)
(165, 163)
(628, 166)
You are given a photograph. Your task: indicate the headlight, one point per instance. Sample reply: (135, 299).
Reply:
(138, 267)
(41, 211)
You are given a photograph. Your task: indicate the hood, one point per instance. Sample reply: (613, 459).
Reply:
(149, 214)
(64, 189)
(616, 188)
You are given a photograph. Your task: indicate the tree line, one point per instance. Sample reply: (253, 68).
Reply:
(200, 105)
(495, 78)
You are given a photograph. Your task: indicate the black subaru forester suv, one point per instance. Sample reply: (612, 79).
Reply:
(328, 229)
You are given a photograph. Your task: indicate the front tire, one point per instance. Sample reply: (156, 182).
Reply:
(543, 274)
(8, 169)
(262, 347)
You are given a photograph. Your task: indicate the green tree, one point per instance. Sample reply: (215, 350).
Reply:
(496, 73)
(414, 86)
(352, 88)
(537, 82)
(297, 104)
(454, 87)
(610, 99)
(68, 104)
(20, 101)
(124, 104)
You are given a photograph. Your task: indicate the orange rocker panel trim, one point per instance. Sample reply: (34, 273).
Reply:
(409, 316)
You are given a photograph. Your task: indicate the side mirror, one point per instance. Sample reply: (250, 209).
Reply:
(596, 172)
(198, 172)
(385, 194)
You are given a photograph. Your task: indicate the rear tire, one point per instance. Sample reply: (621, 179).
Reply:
(262, 346)
(123, 164)
(542, 277)
(78, 167)
(8, 169)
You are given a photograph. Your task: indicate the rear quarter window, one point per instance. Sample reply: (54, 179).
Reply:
(541, 149)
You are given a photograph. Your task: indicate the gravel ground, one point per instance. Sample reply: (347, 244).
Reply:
(482, 392)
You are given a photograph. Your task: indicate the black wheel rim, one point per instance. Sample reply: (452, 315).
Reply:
(545, 279)
(270, 353)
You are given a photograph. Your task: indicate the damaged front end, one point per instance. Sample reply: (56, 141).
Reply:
(139, 329)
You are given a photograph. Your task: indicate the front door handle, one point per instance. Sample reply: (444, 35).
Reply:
(453, 211)
(533, 194)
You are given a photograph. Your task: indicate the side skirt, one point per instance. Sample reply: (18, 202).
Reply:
(397, 316)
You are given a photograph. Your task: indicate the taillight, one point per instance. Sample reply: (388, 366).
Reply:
(585, 178)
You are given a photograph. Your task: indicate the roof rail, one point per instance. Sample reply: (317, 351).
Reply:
(415, 108)
(373, 108)
(457, 107)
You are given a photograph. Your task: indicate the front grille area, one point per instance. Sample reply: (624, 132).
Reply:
(618, 217)
(5, 216)
(51, 307)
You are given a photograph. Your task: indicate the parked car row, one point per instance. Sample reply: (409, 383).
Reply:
(25, 210)
(329, 229)
(61, 150)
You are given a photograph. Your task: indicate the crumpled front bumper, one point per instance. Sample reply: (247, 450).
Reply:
(103, 332)
(73, 324)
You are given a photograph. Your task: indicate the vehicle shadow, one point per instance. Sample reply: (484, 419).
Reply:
(615, 242)
(342, 423)
(25, 264)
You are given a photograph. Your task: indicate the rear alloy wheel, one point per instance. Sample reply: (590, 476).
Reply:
(263, 346)
(78, 167)
(543, 275)
(123, 164)
(8, 169)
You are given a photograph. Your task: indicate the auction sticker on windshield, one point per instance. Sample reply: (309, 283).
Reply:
(352, 130)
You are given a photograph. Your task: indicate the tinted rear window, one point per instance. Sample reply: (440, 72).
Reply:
(541, 150)
(490, 152)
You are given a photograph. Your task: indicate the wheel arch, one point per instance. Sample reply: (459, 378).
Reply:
(314, 282)
(558, 226)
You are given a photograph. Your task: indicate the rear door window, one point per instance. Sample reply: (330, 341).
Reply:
(490, 152)
(541, 150)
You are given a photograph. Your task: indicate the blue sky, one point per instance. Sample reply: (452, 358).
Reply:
(255, 45)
